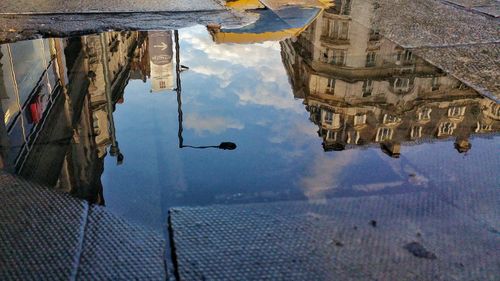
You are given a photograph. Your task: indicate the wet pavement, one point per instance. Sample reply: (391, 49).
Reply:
(477, 65)
(11, 7)
(304, 144)
(488, 7)
(386, 237)
(48, 235)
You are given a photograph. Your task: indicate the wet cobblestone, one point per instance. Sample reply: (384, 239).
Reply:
(489, 7)
(48, 235)
(447, 232)
(476, 65)
(429, 23)
(96, 6)
(418, 237)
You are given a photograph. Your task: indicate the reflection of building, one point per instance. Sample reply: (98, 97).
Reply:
(58, 96)
(29, 86)
(361, 88)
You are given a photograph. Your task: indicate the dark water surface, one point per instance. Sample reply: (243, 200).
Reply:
(335, 111)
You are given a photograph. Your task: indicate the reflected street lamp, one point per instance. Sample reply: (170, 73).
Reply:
(114, 149)
(178, 70)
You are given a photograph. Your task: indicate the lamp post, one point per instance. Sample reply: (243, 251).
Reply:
(114, 149)
(178, 70)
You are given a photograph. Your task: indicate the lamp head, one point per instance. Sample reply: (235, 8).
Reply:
(227, 145)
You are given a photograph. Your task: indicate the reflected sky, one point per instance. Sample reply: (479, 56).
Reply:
(236, 93)
(245, 94)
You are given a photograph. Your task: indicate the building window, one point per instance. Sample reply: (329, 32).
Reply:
(346, 8)
(495, 109)
(336, 29)
(353, 137)
(331, 135)
(446, 128)
(416, 132)
(163, 85)
(384, 134)
(328, 117)
(435, 84)
(326, 27)
(401, 84)
(370, 59)
(424, 114)
(408, 56)
(330, 120)
(359, 120)
(338, 57)
(344, 30)
(482, 127)
(456, 111)
(330, 87)
(391, 119)
(367, 88)
(324, 55)
(95, 124)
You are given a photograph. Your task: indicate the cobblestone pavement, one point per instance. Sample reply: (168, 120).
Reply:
(476, 65)
(23, 27)
(375, 238)
(428, 24)
(489, 7)
(113, 6)
(48, 235)
(431, 23)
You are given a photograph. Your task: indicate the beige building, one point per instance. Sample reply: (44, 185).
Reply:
(361, 88)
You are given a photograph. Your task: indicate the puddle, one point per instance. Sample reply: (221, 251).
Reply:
(331, 110)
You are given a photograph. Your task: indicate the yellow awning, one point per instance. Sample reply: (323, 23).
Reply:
(278, 4)
(244, 4)
(247, 38)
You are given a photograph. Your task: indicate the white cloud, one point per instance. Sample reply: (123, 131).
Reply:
(325, 172)
(256, 72)
(224, 75)
(210, 124)
(262, 96)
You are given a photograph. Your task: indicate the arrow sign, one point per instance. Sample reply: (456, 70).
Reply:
(162, 45)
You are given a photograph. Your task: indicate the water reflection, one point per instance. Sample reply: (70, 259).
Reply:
(360, 88)
(59, 97)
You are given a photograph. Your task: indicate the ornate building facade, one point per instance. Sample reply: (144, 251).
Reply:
(362, 89)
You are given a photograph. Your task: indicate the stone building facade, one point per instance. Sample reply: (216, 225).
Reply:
(361, 88)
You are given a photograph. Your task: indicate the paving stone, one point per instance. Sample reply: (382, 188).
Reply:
(430, 23)
(23, 27)
(113, 6)
(461, 42)
(40, 231)
(132, 252)
(477, 65)
(489, 7)
(47, 235)
(369, 238)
